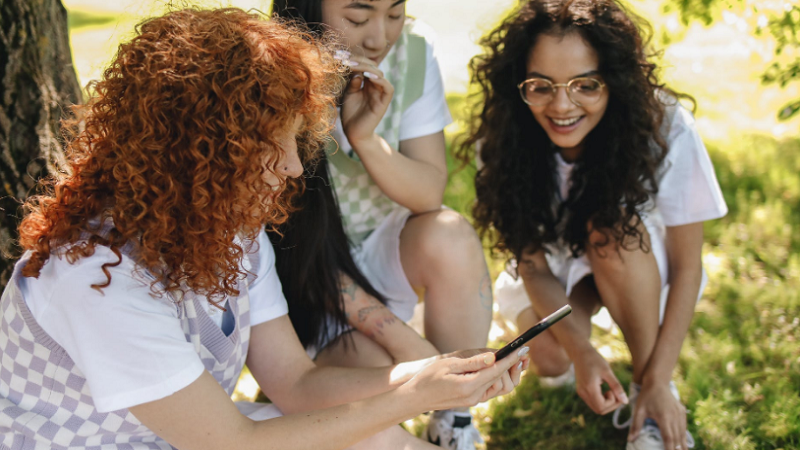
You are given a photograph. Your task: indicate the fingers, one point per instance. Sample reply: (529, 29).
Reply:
(615, 387)
(359, 64)
(639, 414)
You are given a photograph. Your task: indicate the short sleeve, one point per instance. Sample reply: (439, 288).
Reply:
(128, 344)
(428, 114)
(688, 190)
(266, 294)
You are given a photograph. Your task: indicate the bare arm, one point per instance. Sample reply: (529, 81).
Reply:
(372, 318)
(202, 416)
(414, 175)
(591, 369)
(547, 295)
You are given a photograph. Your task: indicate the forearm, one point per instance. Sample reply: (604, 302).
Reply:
(326, 386)
(417, 185)
(202, 417)
(683, 291)
(547, 295)
(333, 428)
(373, 319)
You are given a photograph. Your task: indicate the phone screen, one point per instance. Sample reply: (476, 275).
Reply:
(533, 332)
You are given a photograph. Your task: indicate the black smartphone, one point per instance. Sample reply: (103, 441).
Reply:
(532, 332)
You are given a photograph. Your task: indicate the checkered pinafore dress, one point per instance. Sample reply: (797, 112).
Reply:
(362, 203)
(45, 402)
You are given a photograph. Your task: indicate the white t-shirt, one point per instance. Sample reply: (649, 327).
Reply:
(428, 114)
(688, 191)
(129, 344)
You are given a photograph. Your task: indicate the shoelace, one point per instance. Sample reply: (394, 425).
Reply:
(652, 432)
(464, 438)
(615, 418)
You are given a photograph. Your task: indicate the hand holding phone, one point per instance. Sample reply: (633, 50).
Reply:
(532, 332)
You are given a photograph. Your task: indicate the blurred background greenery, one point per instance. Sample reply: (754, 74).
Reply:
(739, 371)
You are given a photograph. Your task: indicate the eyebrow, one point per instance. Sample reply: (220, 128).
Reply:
(585, 74)
(359, 4)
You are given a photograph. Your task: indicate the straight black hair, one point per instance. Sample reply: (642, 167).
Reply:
(311, 248)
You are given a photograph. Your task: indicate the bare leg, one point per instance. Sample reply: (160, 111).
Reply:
(548, 356)
(394, 438)
(441, 252)
(630, 286)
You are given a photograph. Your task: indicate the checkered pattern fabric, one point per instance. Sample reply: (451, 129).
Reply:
(45, 402)
(362, 203)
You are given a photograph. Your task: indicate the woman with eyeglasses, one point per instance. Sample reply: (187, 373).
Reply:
(593, 178)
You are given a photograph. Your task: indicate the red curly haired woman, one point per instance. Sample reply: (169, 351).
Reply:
(148, 281)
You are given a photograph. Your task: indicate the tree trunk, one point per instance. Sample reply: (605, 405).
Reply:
(37, 85)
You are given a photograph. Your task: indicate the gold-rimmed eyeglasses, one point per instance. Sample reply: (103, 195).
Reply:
(581, 91)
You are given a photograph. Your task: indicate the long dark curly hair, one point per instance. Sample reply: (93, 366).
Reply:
(616, 173)
(176, 145)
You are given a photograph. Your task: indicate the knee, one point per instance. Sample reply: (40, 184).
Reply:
(448, 236)
(606, 249)
(549, 361)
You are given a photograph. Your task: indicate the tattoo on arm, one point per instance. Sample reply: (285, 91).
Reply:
(364, 312)
(349, 290)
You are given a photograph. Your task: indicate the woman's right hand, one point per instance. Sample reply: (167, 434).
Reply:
(366, 99)
(591, 371)
(452, 382)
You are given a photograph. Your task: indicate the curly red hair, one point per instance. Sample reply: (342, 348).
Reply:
(177, 145)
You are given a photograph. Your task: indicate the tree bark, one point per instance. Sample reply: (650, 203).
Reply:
(37, 85)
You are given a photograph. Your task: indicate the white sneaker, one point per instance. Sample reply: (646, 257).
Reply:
(649, 437)
(452, 430)
(565, 379)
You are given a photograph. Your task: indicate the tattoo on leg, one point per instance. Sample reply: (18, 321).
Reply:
(485, 291)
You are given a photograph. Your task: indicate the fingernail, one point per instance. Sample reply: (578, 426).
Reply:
(523, 351)
(370, 75)
(519, 366)
(624, 398)
(486, 358)
(341, 54)
(350, 63)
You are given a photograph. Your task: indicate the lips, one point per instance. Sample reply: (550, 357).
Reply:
(565, 125)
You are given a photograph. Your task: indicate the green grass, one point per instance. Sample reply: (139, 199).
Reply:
(739, 370)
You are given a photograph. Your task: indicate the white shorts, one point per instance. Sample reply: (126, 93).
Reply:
(259, 411)
(378, 258)
(512, 299)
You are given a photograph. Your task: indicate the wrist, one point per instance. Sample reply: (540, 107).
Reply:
(404, 372)
(364, 143)
(657, 377)
(579, 349)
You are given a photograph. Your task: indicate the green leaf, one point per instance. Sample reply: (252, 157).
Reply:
(789, 110)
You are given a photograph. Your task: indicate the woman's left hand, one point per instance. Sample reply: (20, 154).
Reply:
(656, 402)
(366, 100)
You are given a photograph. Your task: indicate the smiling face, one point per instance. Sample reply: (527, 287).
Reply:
(560, 59)
(369, 28)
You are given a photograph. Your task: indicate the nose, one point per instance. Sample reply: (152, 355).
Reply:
(290, 165)
(561, 101)
(375, 39)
